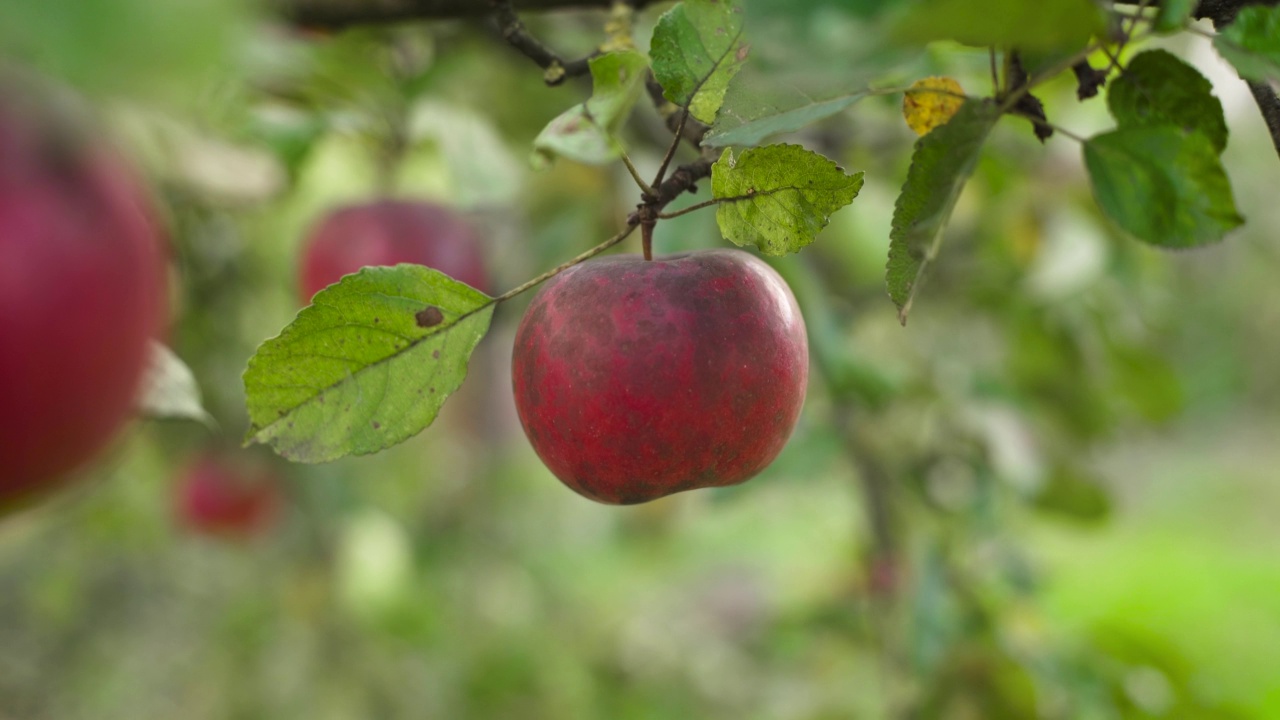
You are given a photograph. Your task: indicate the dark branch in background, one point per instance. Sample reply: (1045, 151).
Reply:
(1089, 78)
(1028, 105)
(693, 130)
(1269, 104)
(515, 33)
(1207, 8)
(883, 562)
(336, 14)
(1223, 13)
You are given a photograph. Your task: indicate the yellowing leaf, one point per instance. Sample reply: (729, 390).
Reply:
(931, 102)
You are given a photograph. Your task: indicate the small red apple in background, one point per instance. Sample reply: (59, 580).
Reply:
(389, 232)
(82, 294)
(636, 379)
(227, 495)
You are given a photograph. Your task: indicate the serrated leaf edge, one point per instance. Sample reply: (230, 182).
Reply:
(255, 432)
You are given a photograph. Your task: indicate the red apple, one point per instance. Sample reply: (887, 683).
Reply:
(636, 379)
(388, 232)
(82, 294)
(227, 496)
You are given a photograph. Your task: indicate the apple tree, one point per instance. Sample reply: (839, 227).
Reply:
(962, 373)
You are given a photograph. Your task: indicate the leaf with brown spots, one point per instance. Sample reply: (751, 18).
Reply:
(586, 132)
(429, 317)
(778, 197)
(370, 344)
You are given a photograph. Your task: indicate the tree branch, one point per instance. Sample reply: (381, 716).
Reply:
(684, 179)
(1269, 104)
(884, 571)
(1088, 79)
(515, 33)
(1223, 13)
(1027, 105)
(335, 14)
(692, 130)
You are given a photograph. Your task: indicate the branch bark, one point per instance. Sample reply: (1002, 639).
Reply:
(1223, 13)
(1269, 104)
(336, 14)
(556, 68)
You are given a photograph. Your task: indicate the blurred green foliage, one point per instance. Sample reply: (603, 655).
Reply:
(1074, 438)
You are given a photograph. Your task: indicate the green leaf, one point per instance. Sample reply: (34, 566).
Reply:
(169, 390)
(1252, 43)
(1172, 15)
(367, 365)
(755, 109)
(941, 164)
(585, 133)
(1162, 185)
(802, 68)
(1159, 89)
(1029, 24)
(697, 48)
(778, 197)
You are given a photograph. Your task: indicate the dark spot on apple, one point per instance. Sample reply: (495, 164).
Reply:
(376, 425)
(429, 317)
(435, 354)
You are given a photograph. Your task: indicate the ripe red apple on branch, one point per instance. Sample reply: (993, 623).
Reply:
(389, 232)
(82, 294)
(637, 379)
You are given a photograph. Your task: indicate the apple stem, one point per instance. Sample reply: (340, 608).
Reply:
(646, 239)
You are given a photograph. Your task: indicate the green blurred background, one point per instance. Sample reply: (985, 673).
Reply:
(1074, 440)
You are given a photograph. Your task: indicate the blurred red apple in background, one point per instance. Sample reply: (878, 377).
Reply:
(82, 294)
(636, 379)
(228, 495)
(389, 232)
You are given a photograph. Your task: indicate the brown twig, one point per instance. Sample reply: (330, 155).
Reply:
(518, 36)
(1223, 13)
(1027, 105)
(1269, 105)
(337, 14)
(691, 131)
(1089, 79)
